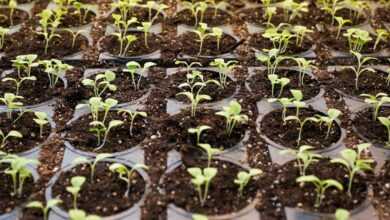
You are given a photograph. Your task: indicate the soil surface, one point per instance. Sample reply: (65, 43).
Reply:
(211, 17)
(313, 134)
(74, 19)
(223, 191)
(104, 196)
(141, 13)
(27, 127)
(18, 16)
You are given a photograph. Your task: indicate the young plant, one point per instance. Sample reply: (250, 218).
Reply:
(210, 151)
(272, 58)
(145, 27)
(244, 177)
(188, 66)
(82, 10)
(294, 9)
(133, 67)
(269, 12)
(132, 115)
(376, 102)
(284, 102)
(280, 36)
(78, 214)
(92, 163)
(217, 33)
(25, 63)
(385, 121)
(304, 66)
(198, 131)
(12, 4)
(301, 124)
(125, 174)
(332, 8)
(300, 32)
(100, 128)
(357, 38)
(359, 70)
(159, 7)
(202, 32)
(321, 186)
(48, 26)
(297, 100)
(233, 116)
(74, 34)
(44, 208)
(18, 82)
(354, 162)
(3, 32)
(10, 134)
(40, 120)
(275, 80)
(55, 69)
(76, 183)
(10, 100)
(341, 22)
(381, 35)
(101, 83)
(328, 119)
(304, 157)
(224, 69)
(201, 180)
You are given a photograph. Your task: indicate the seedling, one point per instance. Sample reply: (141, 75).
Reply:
(100, 128)
(297, 100)
(217, 32)
(188, 66)
(294, 9)
(359, 70)
(201, 180)
(158, 7)
(280, 36)
(12, 4)
(301, 124)
(125, 174)
(48, 26)
(354, 162)
(77, 214)
(145, 27)
(381, 35)
(133, 67)
(301, 32)
(18, 82)
(376, 102)
(215, 4)
(75, 34)
(44, 208)
(244, 177)
(233, 116)
(40, 120)
(342, 214)
(10, 134)
(210, 151)
(269, 12)
(341, 22)
(224, 69)
(55, 69)
(76, 183)
(3, 32)
(304, 157)
(82, 11)
(132, 115)
(198, 131)
(331, 116)
(275, 80)
(202, 33)
(304, 67)
(101, 83)
(92, 163)
(272, 58)
(386, 122)
(284, 102)
(26, 63)
(321, 186)
(10, 100)
(357, 38)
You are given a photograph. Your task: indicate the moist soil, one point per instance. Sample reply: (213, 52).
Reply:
(190, 44)
(382, 184)
(372, 130)
(223, 192)
(103, 197)
(142, 15)
(27, 42)
(285, 190)
(27, 127)
(220, 18)
(383, 14)
(72, 18)
(8, 201)
(18, 17)
(261, 86)
(32, 90)
(125, 91)
(111, 44)
(313, 134)
(214, 91)
(369, 83)
(79, 135)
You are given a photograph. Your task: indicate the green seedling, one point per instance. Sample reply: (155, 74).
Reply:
(55, 69)
(357, 38)
(304, 157)
(382, 35)
(201, 180)
(280, 36)
(132, 115)
(18, 82)
(297, 100)
(188, 66)
(304, 67)
(376, 102)
(12, 4)
(332, 8)
(133, 67)
(341, 22)
(217, 33)
(145, 27)
(92, 163)
(275, 80)
(76, 183)
(74, 34)
(244, 177)
(78, 214)
(125, 174)
(301, 32)
(101, 83)
(301, 124)
(293, 9)
(10, 134)
(284, 102)
(359, 70)
(233, 116)
(329, 119)
(210, 151)
(10, 100)
(269, 12)
(100, 128)
(40, 120)
(49, 26)
(3, 33)
(385, 121)
(25, 63)
(44, 208)
(272, 58)
(198, 131)
(202, 32)
(199, 217)
(224, 69)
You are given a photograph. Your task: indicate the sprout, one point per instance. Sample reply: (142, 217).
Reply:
(26, 63)
(297, 100)
(243, 178)
(215, 5)
(210, 151)
(381, 35)
(332, 8)
(12, 4)
(77, 214)
(80, 7)
(285, 102)
(342, 214)
(272, 59)
(125, 174)
(301, 124)
(224, 69)
(9, 99)
(321, 186)
(101, 83)
(122, 25)
(187, 65)
(386, 122)
(49, 26)
(201, 180)
(269, 12)
(55, 69)
(357, 38)
(233, 116)
(99, 127)
(18, 82)
(132, 116)
(217, 32)
(159, 8)
(92, 163)
(44, 208)
(332, 115)
(279, 36)
(275, 80)
(77, 182)
(75, 34)
(304, 157)
(10, 134)
(40, 120)
(198, 131)
(341, 22)
(376, 101)
(202, 32)
(145, 27)
(304, 66)
(295, 9)
(132, 68)
(354, 162)
(300, 32)
(3, 32)
(359, 70)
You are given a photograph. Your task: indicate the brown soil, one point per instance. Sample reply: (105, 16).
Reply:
(190, 44)
(223, 192)
(383, 14)
(370, 129)
(72, 18)
(222, 17)
(32, 90)
(19, 16)
(111, 44)
(261, 86)
(382, 185)
(78, 134)
(287, 134)
(103, 197)
(27, 127)
(142, 14)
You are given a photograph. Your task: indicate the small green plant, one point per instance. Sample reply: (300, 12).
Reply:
(275, 80)
(357, 38)
(224, 69)
(301, 124)
(269, 12)
(202, 31)
(40, 120)
(233, 116)
(304, 157)
(382, 35)
(125, 174)
(101, 83)
(280, 36)
(341, 22)
(385, 121)
(122, 25)
(198, 131)
(100, 128)
(359, 70)
(132, 115)
(76, 183)
(376, 101)
(159, 7)
(300, 32)
(293, 9)
(78, 214)
(145, 27)
(201, 179)
(188, 66)
(244, 177)
(74, 34)
(10, 134)
(133, 67)
(3, 33)
(25, 63)
(354, 162)
(12, 4)
(321, 186)
(55, 69)
(197, 9)
(92, 163)
(304, 66)
(18, 82)
(44, 208)
(217, 33)
(272, 58)
(284, 102)
(297, 100)
(82, 10)
(328, 119)
(342, 214)
(10, 100)
(49, 26)
(210, 151)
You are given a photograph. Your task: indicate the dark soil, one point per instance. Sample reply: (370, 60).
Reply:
(383, 14)
(79, 135)
(72, 18)
(261, 86)
(27, 127)
(287, 134)
(111, 44)
(103, 197)
(142, 14)
(382, 184)
(214, 91)
(190, 44)
(369, 83)
(370, 129)
(19, 16)
(223, 192)
(32, 90)
(222, 17)
(27, 42)
(8, 202)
